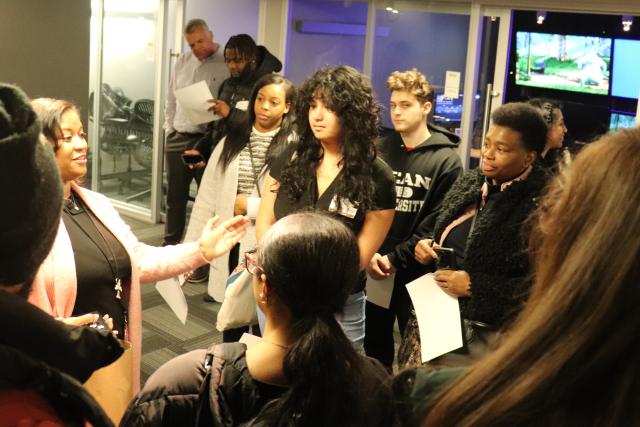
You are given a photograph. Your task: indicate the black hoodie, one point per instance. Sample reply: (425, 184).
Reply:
(423, 176)
(236, 90)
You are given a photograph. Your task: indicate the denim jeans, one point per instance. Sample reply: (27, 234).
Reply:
(351, 320)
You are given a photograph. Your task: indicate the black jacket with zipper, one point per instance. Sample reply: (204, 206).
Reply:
(423, 177)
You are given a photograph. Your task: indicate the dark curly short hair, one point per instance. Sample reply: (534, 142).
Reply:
(525, 119)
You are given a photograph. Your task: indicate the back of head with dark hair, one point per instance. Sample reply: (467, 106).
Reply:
(311, 262)
(30, 181)
(526, 120)
(347, 93)
(243, 45)
(549, 109)
(238, 136)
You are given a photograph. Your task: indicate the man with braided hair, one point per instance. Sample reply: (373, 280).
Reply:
(246, 63)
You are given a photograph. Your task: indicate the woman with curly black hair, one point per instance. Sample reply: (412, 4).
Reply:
(334, 168)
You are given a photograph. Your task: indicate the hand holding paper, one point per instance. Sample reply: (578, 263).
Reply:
(194, 99)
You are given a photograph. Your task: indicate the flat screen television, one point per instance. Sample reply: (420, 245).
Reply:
(621, 121)
(563, 62)
(626, 63)
(447, 109)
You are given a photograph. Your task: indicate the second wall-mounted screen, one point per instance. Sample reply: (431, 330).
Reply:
(626, 63)
(563, 62)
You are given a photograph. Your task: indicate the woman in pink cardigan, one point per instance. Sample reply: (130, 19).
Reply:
(96, 263)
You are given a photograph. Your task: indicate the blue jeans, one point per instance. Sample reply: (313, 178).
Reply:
(351, 319)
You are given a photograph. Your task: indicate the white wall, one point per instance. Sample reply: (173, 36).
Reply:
(128, 54)
(225, 17)
(44, 46)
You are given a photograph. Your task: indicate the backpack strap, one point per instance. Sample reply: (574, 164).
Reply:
(214, 361)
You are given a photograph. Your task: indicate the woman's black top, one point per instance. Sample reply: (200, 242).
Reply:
(99, 259)
(384, 197)
(457, 237)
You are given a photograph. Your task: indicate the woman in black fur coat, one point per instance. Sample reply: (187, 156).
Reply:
(482, 220)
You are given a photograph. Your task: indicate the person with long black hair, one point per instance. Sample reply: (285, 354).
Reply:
(304, 371)
(231, 181)
(334, 168)
(555, 154)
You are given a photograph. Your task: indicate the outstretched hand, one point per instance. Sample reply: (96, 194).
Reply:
(216, 239)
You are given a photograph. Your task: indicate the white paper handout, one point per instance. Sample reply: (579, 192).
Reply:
(438, 316)
(379, 291)
(452, 84)
(194, 100)
(171, 291)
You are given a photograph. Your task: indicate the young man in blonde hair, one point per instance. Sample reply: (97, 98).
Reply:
(425, 165)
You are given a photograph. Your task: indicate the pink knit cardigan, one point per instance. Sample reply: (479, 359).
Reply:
(55, 286)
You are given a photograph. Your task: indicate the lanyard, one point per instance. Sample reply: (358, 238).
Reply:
(253, 168)
(79, 208)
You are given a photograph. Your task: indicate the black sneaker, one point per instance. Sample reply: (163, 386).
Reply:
(208, 298)
(197, 276)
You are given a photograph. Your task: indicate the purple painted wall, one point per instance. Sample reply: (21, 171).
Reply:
(431, 42)
(226, 18)
(308, 52)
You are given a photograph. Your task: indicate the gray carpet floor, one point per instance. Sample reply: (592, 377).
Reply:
(163, 335)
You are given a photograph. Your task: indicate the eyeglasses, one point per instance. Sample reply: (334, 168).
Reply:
(251, 260)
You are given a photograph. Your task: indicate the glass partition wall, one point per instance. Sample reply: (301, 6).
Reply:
(132, 41)
(128, 57)
(378, 37)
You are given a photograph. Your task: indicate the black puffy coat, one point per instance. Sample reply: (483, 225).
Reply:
(183, 392)
(495, 256)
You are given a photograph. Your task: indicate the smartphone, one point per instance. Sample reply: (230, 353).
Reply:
(446, 259)
(99, 324)
(192, 159)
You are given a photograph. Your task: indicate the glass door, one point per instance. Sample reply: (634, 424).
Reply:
(126, 96)
(489, 31)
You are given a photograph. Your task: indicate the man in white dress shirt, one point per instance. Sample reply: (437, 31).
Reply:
(205, 62)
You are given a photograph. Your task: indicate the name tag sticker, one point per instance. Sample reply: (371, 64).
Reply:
(242, 105)
(346, 208)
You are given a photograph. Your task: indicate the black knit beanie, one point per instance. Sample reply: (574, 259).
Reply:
(31, 190)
